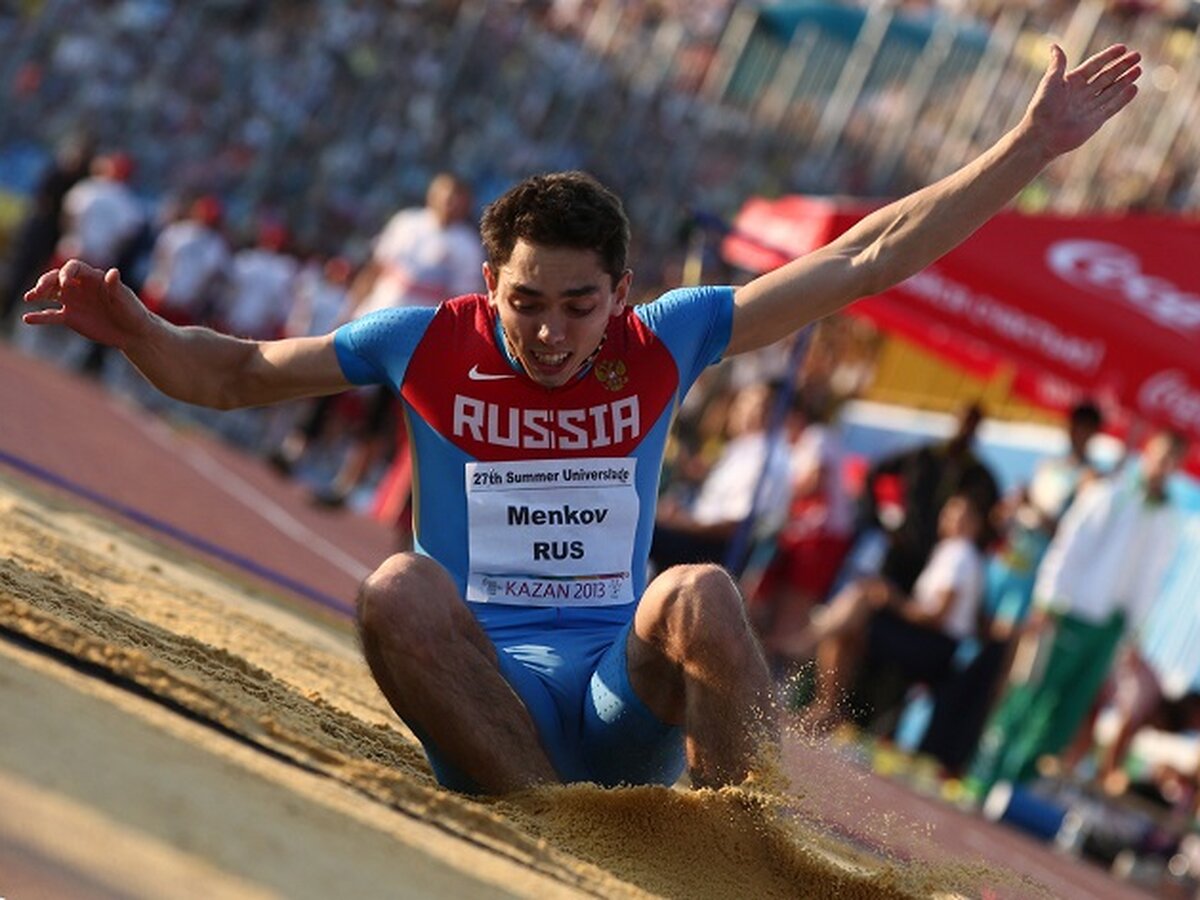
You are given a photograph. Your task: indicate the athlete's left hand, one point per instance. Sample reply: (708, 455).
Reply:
(1070, 106)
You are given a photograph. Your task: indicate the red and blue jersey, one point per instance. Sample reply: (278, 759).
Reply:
(535, 496)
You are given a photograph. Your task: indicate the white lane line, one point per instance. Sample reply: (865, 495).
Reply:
(252, 498)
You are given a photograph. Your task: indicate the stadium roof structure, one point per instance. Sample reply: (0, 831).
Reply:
(1104, 306)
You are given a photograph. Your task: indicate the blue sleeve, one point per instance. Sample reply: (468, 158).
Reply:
(694, 323)
(376, 348)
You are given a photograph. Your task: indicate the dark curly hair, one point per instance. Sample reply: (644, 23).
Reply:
(563, 209)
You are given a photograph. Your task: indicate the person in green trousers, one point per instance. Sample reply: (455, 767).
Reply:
(1097, 581)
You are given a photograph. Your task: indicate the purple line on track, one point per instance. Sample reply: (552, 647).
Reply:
(175, 533)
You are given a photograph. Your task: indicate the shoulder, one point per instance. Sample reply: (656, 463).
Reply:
(688, 298)
(466, 235)
(472, 310)
(688, 311)
(1104, 493)
(408, 215)
(382, 341)
(81, 191)
(959, 553)
(401, 222)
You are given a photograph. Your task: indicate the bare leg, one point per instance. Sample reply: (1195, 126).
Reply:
(355, 467)
(838, 636)
(846, 613)
(1138, 699)
(836, 658)
(437, 669)
(793, 611)
(1066, 762)
(694, 660)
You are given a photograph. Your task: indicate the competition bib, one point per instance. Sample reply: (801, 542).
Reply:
(551, 532)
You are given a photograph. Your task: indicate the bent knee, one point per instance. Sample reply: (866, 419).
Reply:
(404, 587)
(700, 582)
(694, 604)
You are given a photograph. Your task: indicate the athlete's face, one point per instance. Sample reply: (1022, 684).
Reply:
(554, 304)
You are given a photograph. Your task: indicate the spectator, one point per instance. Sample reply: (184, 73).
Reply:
(915, 635)
(1028, 519)
(814, 538)
(38, 236)
(1096, 583)
(930, 474)
(322, 297)
(425, 254)
(422, 256)
(1177, 779)
(102, 214)
(260, 290)
(702, 531)
(102, 220)
(255, 303)
(189, 265)
(698, 436)
(1134, 694)
(321, 304)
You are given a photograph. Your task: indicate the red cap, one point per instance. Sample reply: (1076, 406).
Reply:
(117, 166)
(272, 236)
(208, 210)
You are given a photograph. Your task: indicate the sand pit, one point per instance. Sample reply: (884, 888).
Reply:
(171, 727)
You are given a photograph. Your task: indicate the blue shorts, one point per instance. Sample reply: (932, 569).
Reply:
(570, 672)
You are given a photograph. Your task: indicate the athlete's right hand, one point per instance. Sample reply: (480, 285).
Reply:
(93, 303)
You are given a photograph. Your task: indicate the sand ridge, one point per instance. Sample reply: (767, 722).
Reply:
(294, 686)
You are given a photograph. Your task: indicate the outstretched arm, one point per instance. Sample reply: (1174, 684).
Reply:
(196, 365)
(904, 237)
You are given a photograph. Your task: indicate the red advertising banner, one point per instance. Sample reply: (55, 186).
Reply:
(1104, 306)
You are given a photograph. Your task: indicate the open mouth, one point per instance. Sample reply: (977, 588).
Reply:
(550, 361)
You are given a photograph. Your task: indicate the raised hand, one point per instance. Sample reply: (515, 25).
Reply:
(1069, 107)
(91, 302)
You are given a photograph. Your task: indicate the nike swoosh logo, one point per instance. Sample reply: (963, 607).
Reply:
(476, 375)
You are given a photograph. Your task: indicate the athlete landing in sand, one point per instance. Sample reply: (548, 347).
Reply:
(520, 640)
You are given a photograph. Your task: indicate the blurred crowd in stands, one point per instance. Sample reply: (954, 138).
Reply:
(330, 114)
(243, 163)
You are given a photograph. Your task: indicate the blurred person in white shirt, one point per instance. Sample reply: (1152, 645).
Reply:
(189, 265)
(1096, 584)
(918, 634)
(102, 215)
(424, 255)
(703, 530)
(322, 296)
(102, 219)
(261, 287)
(1028, 519)
(815, 534)
(321, 305)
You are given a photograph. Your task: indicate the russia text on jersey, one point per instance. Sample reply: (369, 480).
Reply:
(584, 428)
